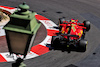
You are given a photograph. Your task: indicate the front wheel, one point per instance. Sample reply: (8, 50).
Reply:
(61, 20)
(87, 25)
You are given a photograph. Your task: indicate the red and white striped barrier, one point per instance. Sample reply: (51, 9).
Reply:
(40, 48)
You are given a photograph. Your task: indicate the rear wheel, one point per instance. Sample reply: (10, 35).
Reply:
(55, 41)
(87, 25)
(82, 45)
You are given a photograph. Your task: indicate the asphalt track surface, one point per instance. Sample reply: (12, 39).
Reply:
(77, 9)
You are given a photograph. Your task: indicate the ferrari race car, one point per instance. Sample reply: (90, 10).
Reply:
(71, 34)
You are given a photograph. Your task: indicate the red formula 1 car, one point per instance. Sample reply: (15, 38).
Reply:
(71, 34)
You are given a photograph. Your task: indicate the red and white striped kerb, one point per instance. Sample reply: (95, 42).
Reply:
(37, 50)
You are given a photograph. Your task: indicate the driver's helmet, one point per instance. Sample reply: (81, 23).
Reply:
(72, 20)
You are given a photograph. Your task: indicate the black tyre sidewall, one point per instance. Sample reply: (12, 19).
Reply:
(54, 42)
(87, 25)
(82, 45)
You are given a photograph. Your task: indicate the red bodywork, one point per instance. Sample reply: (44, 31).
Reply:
(72, 28)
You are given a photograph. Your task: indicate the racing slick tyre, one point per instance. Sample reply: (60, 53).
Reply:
(87, 25)
(60, 22)
(54, 41)
(82, 45)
